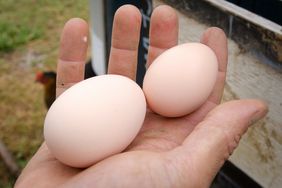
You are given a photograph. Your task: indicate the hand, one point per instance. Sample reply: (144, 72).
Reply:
(167, 152)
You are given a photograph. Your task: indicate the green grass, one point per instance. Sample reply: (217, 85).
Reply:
(11, 36)
(28, 28)
(26, 20)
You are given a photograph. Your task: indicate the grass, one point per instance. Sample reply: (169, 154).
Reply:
(12, 36)
(29, 35)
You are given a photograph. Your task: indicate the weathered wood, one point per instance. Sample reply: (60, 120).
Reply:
(250, 75)
(246, 15)
(8, 159)
(247, 29)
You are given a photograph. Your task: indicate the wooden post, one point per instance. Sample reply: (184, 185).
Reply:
(9, 160)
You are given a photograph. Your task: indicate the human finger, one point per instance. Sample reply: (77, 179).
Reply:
(125, 41)
(163, 31)
(212, 141)
(216, 39)
(72, 56)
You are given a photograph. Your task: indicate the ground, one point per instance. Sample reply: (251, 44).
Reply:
(29, 40)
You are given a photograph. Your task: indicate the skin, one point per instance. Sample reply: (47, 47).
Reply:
(168, 152)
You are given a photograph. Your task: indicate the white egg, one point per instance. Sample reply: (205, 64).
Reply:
(181, 79)
(94, 119)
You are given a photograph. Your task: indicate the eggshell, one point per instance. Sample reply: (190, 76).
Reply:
(180, 79)
(94, 119)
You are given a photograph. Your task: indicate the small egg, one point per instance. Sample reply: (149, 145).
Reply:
(181, 79)
(94, 119)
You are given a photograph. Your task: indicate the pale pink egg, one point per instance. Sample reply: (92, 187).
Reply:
(94, 119)
(181, 79)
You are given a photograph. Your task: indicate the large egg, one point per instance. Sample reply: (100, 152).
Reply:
(94, 119)
(180, 79)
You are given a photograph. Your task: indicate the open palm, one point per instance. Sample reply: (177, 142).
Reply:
(167, 152)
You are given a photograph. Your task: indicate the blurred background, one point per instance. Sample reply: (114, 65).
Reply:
(29, 40)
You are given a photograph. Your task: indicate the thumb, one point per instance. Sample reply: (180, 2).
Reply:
(214, 139)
